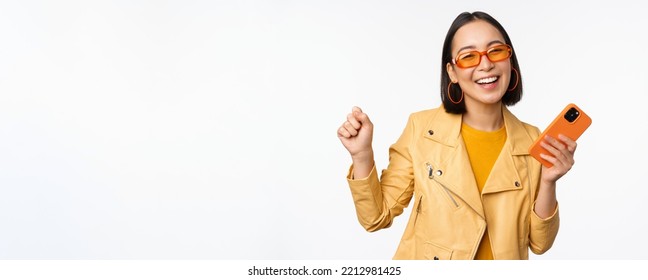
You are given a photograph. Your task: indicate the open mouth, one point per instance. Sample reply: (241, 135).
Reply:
(486, 81)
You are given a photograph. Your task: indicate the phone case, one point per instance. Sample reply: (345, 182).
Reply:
(561, 125)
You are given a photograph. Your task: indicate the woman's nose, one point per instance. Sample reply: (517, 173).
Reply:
(485, 64)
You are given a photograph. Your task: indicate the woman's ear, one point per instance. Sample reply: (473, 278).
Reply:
(451, 73)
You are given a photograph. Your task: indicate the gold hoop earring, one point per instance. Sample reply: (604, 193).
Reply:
(450, 97)
(517, 79)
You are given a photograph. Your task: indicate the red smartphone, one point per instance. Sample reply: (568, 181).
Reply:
(571, 122)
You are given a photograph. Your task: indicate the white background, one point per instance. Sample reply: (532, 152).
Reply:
(207, 130)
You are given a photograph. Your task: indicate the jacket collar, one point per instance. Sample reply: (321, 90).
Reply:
(446, 129)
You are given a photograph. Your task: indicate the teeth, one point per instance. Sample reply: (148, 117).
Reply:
(487, 80)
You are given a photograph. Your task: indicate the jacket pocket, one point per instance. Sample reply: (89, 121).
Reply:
(417, 206)
(433, 251)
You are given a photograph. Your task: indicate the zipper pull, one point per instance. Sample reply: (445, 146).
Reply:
(430, 169)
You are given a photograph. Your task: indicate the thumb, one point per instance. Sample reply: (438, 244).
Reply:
(362, 117)
(356, 109)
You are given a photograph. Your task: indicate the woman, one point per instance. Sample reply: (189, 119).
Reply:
(477, 192)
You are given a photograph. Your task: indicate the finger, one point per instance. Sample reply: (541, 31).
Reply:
(351, 118)
(563, 157)
(341, 132)
(356, 109)
(555, 153)
(551, 149)
(566, 154)
(349, 127)
(571, 144)
(554, 142)
(550, 159)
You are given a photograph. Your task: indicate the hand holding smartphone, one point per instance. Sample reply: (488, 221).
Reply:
(571, 122)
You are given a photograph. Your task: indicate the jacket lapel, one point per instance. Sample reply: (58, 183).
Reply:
(456, 172)
(508, 165)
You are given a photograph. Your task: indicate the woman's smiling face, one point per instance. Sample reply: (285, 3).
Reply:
(487, 82)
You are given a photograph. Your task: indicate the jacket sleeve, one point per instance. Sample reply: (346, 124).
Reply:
(378, 201)
(543, 231)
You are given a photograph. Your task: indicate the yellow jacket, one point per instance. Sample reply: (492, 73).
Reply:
(429, 163)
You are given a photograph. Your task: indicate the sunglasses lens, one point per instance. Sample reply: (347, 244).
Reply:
(499, 53)
(473, 58)
(468, 59)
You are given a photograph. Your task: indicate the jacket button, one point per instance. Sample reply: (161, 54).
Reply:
(430, 132)
(436, 258)
(517, 184)
(439, 173)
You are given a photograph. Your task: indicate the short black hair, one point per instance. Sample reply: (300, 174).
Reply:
(509, 98)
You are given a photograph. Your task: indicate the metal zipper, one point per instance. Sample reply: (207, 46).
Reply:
(450, 195)
(431, 176)
(430, 169)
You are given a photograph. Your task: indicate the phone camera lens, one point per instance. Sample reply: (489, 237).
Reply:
(571, 115)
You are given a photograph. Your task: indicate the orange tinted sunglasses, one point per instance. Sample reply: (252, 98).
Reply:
(473, 58)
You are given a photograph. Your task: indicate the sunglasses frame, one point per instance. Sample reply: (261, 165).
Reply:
(510, 53)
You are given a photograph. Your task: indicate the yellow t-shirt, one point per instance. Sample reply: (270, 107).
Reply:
(483, 149)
